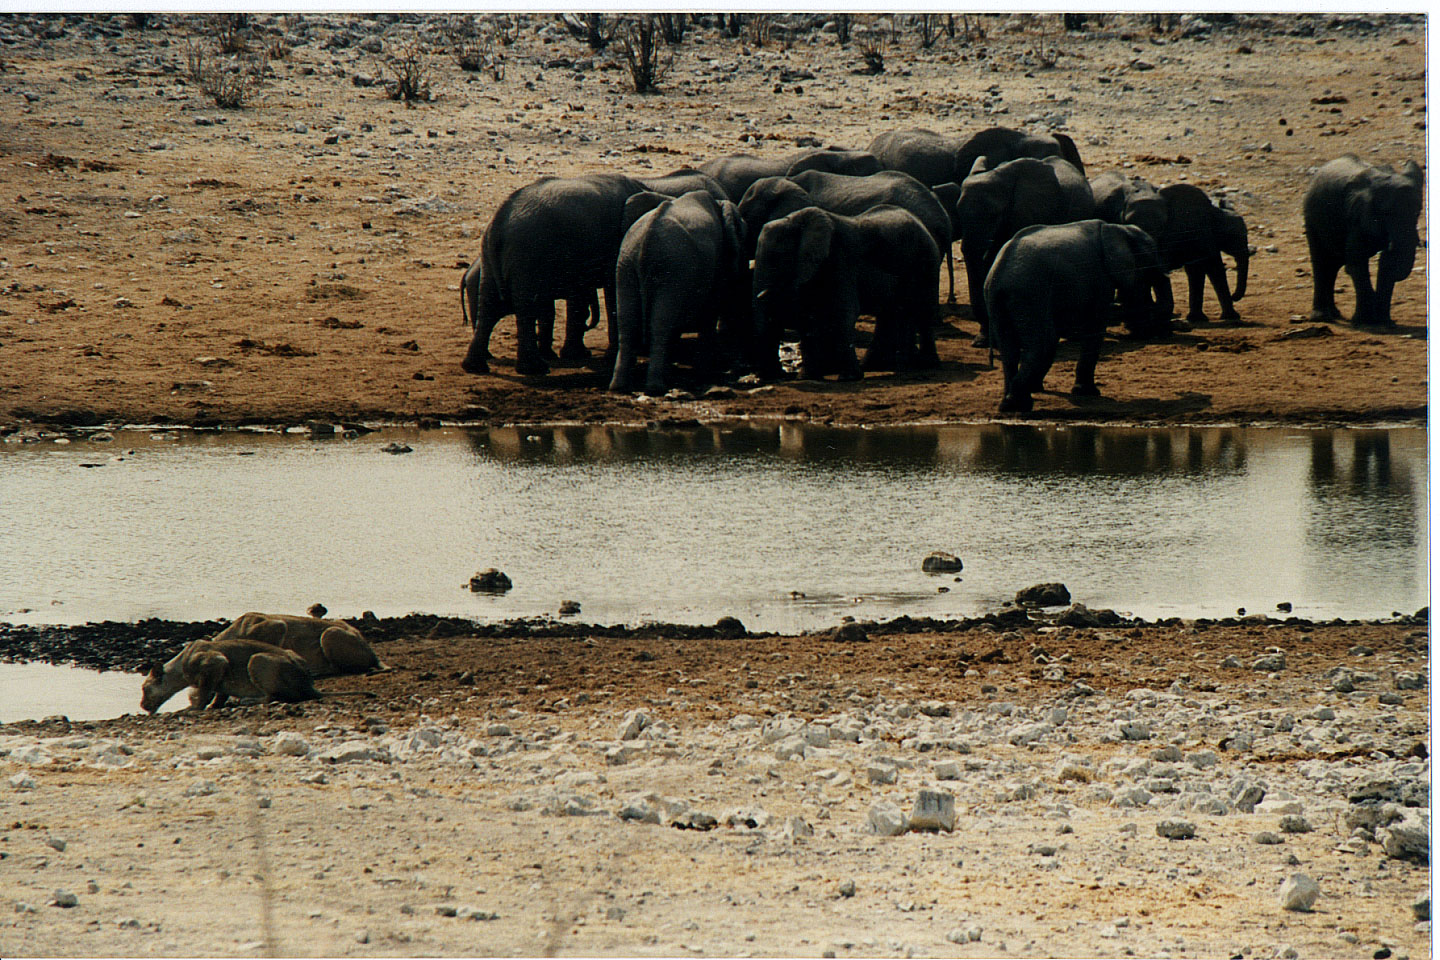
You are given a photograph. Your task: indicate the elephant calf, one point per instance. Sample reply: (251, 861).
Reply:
(1191, 232)
(1353, 211)
(681, 265)
(1050, 282)
(817, 271)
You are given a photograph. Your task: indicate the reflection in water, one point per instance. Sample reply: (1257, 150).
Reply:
(690, 523)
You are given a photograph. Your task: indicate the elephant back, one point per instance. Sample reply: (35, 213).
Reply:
(923, 154)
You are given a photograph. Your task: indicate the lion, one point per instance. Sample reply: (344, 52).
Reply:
(328, 647)
(219, 669)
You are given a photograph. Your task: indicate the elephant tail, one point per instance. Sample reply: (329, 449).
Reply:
(470, 295)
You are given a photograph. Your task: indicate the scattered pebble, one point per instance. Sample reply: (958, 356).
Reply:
(1299, 893)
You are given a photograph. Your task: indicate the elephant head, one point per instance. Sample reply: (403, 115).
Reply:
(638, 205)
(995, 202)
(1234, 239)
(1393, 210)
(768, 199)
(1130, 258)
(790, 254)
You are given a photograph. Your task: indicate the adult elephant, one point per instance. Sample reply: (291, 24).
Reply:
(999, 200)
(1191, 232)
(1058, 281)
(682, 264)
(738, 171)
(554, 239)
(934, 159)
(817, 271)
(1353, 211)
(776, 197)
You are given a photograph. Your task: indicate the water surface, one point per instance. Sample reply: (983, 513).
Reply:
(786, 527)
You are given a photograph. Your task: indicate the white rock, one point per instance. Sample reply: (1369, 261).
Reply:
(743, 721)
(291, 744)
(634, 722)
(946, 770)
(624, 753)
(200, 788)
(886, 820)
(780, 728)
(64, 898)
(882, 772)
(797, 827)
(641, 808)
(1131, 797)
(1132, 730)
(1027, 733)
(1299, 893)
(817, 735)
(210, 752)
(32, 755)
(1276, 808)
(1203, 759)
(750, 818)
(933, 810)
(1175, 829)
(1408, 839)
(791, 747)
(22, 781)
(353, 751)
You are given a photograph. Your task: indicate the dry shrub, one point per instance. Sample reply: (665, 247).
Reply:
(473, 46)
(640, 43)
(229, 29)
(408, 70)
(871, 43)
(229, 81)
(758, 26)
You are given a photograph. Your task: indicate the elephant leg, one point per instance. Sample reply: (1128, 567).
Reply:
(975, 270)
(610, 316)
(479, 352)
(577, 321)
(1014, 398)
(1323, 271)
(1195, 274)
(950, 268)
(1384, 291)
(884, 352)
(666, 310)
(1164, 296)
(625, 327)
(927, 358)
(528, 362)
(1365, 308)
(545, 333)
(1215, 271)
(1085, 368)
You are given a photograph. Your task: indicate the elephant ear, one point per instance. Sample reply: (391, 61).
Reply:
(637, 206)
(817, 232)
(734, 231)
(1234, 233)
(1118, 255)
(1069, 151)
(981, 165)
(769, 199)
(1413, 172)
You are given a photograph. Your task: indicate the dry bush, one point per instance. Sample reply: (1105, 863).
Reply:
(473, 47)
(596, 29)
(757, 27)
(929, 25)
(408, 70)
(230, 82)
(843, 22)
(672, 27)
(505, 25)
(871, 43)
(640, 43)
(229, 29)
(278, 49)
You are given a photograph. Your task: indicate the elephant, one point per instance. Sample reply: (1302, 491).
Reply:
(933, 159)
(1054, 281)
(817, 271)
(1353, 211)
(774, 197)
(998, 200)
(682, 260)
(551, 239)
(738, 171)
(1191, 232)
(547, 239)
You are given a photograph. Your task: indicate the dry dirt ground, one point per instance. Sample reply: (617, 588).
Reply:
(168, 260)
(478, 804)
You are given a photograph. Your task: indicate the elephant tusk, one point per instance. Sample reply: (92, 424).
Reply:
(762, 294)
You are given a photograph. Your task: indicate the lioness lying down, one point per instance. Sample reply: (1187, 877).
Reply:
(219, 669)
(328, 647)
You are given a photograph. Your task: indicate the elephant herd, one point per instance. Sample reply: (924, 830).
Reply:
(745, 248)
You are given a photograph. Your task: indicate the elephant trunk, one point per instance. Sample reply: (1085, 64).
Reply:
(1398, 259)
(1242, 275)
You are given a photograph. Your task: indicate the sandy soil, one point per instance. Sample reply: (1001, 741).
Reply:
(167, 260)
(488, 776)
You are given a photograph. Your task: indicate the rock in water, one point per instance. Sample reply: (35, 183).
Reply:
(1044, 595)
(1299, 893)
(941, 562)
(490, 581)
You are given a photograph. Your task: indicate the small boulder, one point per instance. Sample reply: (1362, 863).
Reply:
(1044, 595)
(849, 633)
(1270, 663)
(1299, 893)
(933, 810)
(729, 627)
(490, 581)
(1175, 829)
(886, 820)
(941, 562)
